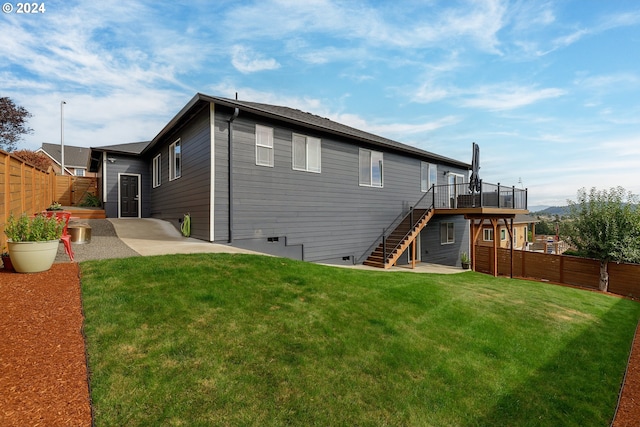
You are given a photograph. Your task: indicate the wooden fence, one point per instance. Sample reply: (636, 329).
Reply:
(23, 187)
(71, 190)
(624, 279)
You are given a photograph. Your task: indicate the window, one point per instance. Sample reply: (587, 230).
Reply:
(370, 168)
(264, 146)
(305, 153)
(428, 176)
(175, 161)
(157, 172)
(487, 235)
(79, 172)
(503, 234)
(447, 233)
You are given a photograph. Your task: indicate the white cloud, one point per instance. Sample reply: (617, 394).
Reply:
(247, 61)
(507, 97)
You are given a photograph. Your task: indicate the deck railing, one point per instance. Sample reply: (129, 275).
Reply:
(454, 196)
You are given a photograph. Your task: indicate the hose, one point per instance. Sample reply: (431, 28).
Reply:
(186, 225)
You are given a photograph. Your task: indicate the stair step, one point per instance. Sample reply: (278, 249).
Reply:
(399, 240)
(373, 264)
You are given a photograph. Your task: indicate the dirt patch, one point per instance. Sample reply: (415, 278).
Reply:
(42, 353)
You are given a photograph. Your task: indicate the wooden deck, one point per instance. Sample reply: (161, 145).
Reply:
(85, 213)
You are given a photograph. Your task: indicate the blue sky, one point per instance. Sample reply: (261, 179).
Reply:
(550, 90)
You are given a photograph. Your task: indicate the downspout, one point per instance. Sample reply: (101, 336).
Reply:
(230, 172)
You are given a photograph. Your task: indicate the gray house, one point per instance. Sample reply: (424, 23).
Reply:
(281, 181)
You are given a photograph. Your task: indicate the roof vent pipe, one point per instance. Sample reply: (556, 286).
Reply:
(236, 112)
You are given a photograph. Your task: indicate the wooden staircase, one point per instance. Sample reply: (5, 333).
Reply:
(399, 240)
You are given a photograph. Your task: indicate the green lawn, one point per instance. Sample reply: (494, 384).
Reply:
(240, 340)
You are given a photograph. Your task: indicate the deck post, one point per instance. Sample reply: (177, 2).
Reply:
(413, 254)
(511, 242)
(433, 195)
(494, 224)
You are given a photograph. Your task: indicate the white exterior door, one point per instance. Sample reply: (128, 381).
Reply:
(455, 182)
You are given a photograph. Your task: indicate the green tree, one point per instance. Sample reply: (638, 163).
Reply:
(13, 123)
(605, 225)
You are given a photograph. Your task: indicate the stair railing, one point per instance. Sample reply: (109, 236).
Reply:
(396, 222)
(440, 196)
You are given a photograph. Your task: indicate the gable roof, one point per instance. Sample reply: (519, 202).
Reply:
(74, 157)
(297, 117)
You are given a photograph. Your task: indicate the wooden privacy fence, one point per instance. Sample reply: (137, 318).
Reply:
(70, 190)
(23, 188)
(624, 279)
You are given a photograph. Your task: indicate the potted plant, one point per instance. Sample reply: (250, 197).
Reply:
(33, 242)
(6, 259)
(55, 206)
(464, 260)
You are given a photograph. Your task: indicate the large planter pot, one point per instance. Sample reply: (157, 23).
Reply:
(33, 257)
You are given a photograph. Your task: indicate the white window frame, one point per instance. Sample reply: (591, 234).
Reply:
(312, 153)
(444, 236)
(157, 170)
(175, 172)
(367, 158)
(79, 172)
(428, 176)
(503, 234)
(487, 234)
(264, 145)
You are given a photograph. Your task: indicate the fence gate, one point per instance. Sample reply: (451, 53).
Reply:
(70, 190)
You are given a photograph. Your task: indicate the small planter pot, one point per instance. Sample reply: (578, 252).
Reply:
(6, 263)
(33, 257)
(466, 265)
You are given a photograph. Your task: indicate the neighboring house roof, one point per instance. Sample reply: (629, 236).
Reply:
(74, 157)
(297, 117)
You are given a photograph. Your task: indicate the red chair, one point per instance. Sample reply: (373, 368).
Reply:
(66, 237)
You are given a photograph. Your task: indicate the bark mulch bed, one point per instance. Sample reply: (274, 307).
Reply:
(43, 377)
(43, 369)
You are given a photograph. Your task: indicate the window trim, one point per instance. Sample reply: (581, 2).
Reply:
(307, 153)
(270, 139)
(157, 171)
(371, 160)
(173, 174)
(446, 234)
(486, 231)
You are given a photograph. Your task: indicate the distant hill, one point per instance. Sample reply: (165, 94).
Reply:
(552, 211)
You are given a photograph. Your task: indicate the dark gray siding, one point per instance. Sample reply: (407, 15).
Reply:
(329, 213)
(434, 252)
(130, 165)
(191, 192)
